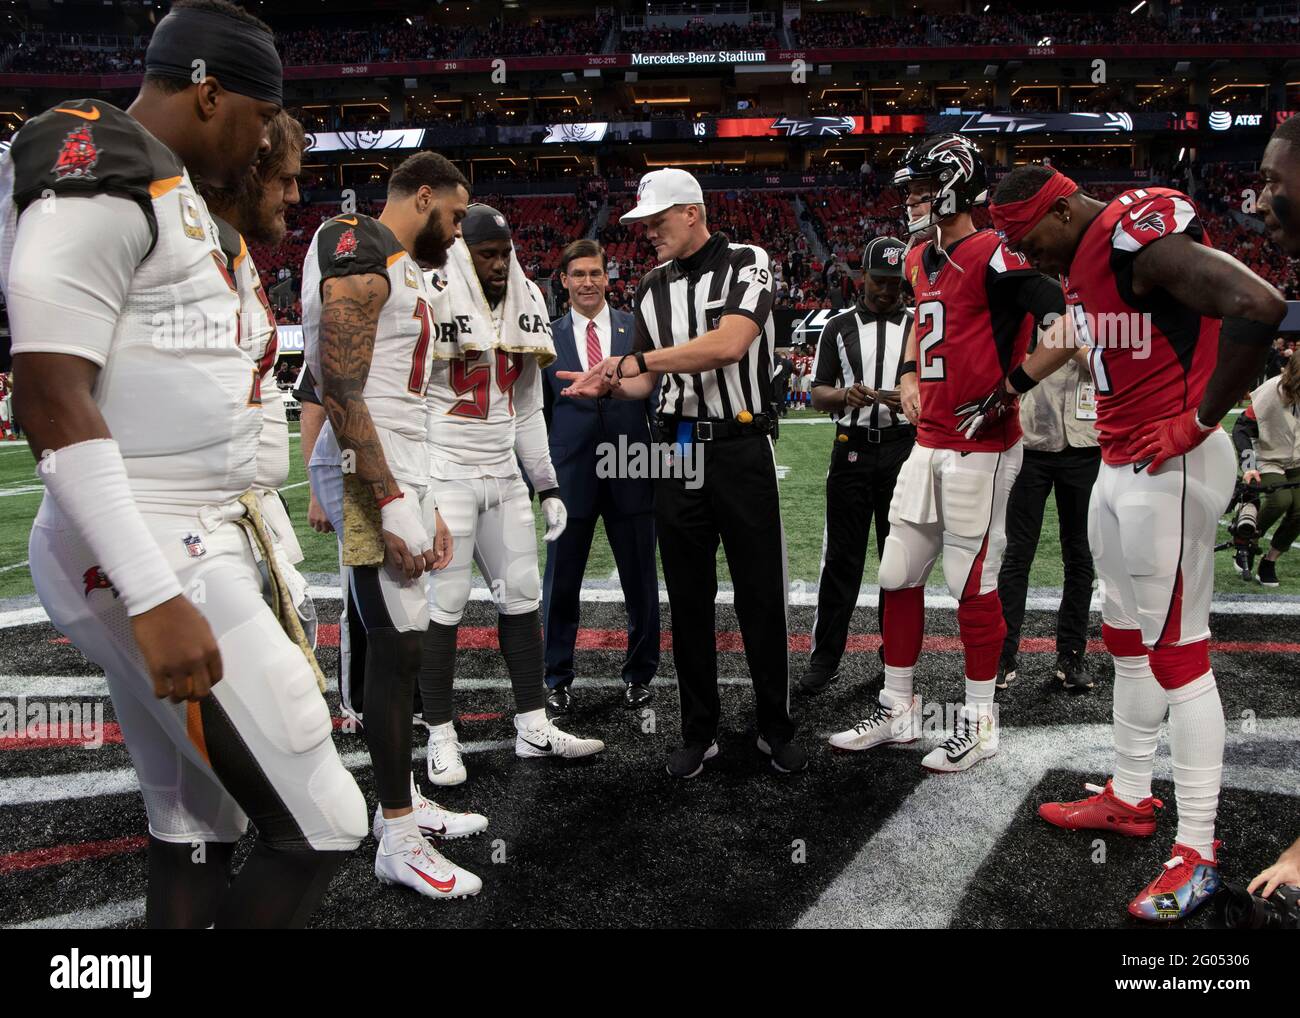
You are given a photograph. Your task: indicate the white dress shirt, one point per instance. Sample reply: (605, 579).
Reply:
(580, 333)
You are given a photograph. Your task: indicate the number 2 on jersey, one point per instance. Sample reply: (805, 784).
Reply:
(929, 334)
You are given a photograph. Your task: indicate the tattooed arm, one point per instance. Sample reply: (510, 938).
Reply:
(350, 307)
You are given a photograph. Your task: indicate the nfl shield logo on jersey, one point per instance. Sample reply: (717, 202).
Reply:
(194, 545)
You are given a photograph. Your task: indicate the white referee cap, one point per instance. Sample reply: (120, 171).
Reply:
(662, 189)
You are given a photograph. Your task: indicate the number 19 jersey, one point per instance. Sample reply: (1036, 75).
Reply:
(355, 244)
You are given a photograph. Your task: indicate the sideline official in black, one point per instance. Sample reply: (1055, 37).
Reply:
(855, 380)
(705, 340)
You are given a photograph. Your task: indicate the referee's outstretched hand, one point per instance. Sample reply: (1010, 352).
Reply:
(590, 384)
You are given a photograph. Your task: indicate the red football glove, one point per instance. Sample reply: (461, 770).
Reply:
(1158, 441)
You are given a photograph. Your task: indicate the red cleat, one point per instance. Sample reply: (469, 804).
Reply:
(1104, 812)
(1186, 883)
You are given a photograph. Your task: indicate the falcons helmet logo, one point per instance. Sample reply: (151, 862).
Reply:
(955, 151)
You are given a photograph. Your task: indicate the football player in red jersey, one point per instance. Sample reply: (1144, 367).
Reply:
(1280, 169)
(976, 307)
(1177, 332)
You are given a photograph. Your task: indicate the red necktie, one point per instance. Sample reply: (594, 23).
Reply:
(594, 355)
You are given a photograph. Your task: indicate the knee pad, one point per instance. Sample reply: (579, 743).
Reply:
(1175, 667)
(894, 571)
(448, 594)
(345, 821)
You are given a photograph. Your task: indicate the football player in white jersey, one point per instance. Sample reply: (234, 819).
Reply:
(134, 391)
(367, 331)
(485, 415)
(254, 211)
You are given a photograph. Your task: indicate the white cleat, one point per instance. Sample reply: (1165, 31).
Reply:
(544, 739)
(418, 865)
(900, 724)
(972, 742)
(443, 756)
(436, 821)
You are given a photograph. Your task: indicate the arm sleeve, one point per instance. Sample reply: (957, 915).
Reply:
(751, 292)
(531, 443)
(60, 300)
(826, 368)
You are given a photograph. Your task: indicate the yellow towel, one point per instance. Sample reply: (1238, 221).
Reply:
(363, 542)
(281, 601)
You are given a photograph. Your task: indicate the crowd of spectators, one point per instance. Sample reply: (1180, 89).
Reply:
(830, 30)
(540, 36)
(699, 37)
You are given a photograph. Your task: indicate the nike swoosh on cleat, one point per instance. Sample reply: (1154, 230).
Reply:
(962, 754)
(92, 115)
(546, 746)
(433, 830)
(440, 885)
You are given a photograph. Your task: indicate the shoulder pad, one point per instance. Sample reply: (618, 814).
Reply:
(85, 147)
(232, 242)
(353, 244)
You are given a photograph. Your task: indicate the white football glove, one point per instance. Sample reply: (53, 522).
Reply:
(557, 517)
(401, 518)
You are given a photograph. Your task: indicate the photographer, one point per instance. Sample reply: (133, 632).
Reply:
(1285, 871)
(1272, 425)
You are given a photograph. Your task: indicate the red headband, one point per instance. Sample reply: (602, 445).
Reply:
(1014, 219)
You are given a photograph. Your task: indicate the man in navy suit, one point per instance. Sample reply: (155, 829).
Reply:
(582, 433)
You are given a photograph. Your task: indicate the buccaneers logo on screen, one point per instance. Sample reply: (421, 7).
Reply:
(77, 157)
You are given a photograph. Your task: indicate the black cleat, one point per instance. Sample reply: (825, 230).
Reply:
(1073, 672)
(1268, 572)
(688, 761)
(787, 757)
(637, 694)
(1006, 674)
(558, 700)
(814, 681)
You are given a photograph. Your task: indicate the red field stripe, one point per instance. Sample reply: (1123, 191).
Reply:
(485, 638)
(56, 855)
(112, 736)
(489, 716)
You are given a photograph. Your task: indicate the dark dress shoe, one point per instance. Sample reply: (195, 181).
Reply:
(558, 700)
(814, 681)
(637, 694)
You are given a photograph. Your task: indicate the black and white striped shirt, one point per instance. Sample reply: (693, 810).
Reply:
(687, 297)
(862, 346)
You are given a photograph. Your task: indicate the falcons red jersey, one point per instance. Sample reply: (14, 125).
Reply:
(1151, 356)
(973, 325)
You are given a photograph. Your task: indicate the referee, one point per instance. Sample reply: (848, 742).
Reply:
(705, 339)
(856, 381)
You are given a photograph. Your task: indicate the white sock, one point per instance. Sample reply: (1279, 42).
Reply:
(532, 719)
(1196, 735)
(898, 686)
(979, 696)
(396, 830)
(1140, 705)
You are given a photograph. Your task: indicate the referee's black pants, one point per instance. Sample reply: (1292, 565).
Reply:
(738, 505)
(859, 487)
(1072, 472)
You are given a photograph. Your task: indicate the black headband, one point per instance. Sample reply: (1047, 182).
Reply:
(239, 55)
(483, 222)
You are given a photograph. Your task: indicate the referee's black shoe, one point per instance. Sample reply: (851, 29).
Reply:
(1073, 672)
(814, 680)
(558, 700)
(688, 761)
(787, 757)
(637, 694)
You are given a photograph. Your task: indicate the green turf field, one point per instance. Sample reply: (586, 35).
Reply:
(803, 451)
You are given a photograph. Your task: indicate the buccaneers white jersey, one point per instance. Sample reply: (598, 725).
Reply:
(258, 337)
(176, 385)
(353, 245)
